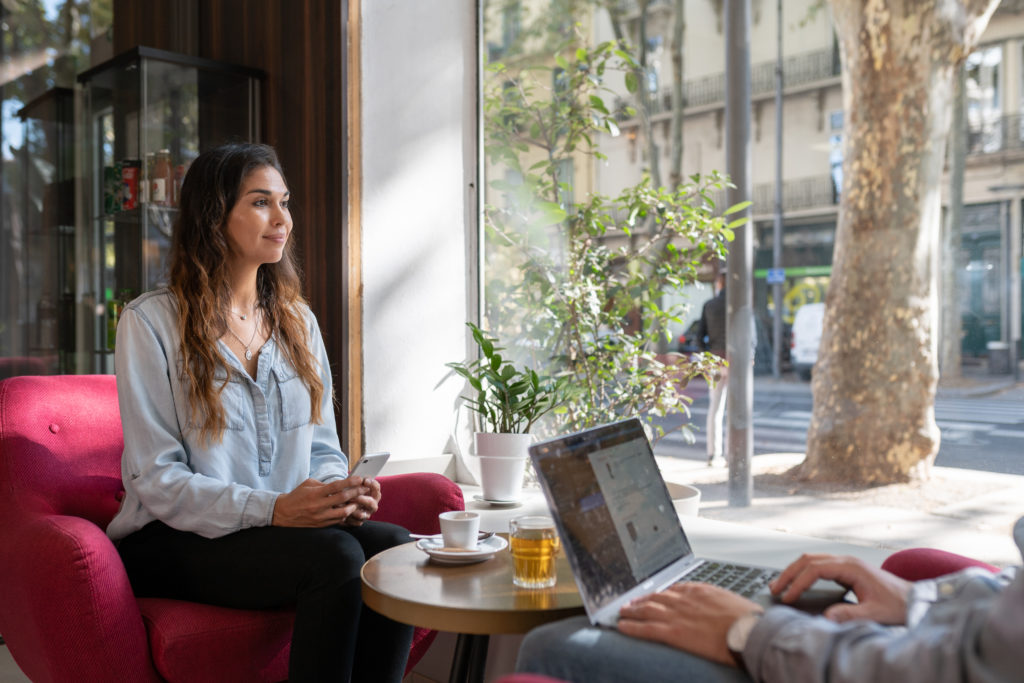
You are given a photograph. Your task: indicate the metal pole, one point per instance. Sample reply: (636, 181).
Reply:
(739, 311)
(777, 227)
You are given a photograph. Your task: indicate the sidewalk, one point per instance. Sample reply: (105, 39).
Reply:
(975, 382)
(961, 511)
(965, 511)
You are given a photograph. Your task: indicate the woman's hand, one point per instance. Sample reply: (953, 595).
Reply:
(367, 502)
(694, 617)
(881, 596)
(315, 504)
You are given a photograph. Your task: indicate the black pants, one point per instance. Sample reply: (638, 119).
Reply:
(316, 571)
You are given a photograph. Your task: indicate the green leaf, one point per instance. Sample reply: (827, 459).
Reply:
(631, 82)
(626, 57)
(551, 213)
(737, 207)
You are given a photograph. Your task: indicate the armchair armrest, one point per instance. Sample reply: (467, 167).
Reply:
(415, 500)
(72, 616)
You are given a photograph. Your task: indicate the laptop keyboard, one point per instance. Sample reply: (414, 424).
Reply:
(742, 579)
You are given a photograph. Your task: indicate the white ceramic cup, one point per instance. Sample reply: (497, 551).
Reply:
(501, 477)
(460, 529)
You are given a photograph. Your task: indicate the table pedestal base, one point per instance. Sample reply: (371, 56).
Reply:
(469, 658)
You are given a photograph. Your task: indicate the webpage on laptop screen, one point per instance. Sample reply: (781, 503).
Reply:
(645, 521)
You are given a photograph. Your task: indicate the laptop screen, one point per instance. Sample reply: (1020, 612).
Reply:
(614, 514)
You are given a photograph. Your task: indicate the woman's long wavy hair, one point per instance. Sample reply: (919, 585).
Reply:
(199, 281)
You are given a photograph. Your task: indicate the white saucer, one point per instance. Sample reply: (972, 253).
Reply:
(486, 549)
(498, 503)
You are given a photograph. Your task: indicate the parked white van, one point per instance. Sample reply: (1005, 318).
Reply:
(805, 338)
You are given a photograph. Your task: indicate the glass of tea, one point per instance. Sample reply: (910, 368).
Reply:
(534, 543)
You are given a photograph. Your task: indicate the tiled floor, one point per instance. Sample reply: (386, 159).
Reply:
(9, 671)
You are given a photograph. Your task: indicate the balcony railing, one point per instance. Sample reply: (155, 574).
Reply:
(798, 194)
(995, 134)
(797, 70)
(631, 7)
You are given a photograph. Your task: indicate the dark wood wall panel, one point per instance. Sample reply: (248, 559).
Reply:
(162, 24)
(301, 45)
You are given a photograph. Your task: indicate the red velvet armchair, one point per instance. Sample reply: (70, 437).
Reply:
(67, 610)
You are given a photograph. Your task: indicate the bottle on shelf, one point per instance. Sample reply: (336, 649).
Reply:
(130, 183)
(113, 197)
(161, 179)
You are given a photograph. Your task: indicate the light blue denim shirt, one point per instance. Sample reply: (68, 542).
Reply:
(269, 447)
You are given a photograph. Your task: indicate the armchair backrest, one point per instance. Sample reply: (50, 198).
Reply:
(60, 446)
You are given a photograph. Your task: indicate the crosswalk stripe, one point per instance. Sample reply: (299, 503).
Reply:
(984, 418)
(967, 426)
(1007, 432)
(780, 422)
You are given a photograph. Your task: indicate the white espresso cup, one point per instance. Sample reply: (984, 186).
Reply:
(460, 529)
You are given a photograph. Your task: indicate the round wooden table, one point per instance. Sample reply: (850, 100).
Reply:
(473, 600)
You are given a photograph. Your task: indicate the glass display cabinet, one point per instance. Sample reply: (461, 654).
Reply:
(148, 114)
(45, 291)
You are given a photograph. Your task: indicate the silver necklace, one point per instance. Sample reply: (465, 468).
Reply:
(244, 316)
(255, 328)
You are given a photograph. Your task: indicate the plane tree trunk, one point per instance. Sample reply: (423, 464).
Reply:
(873, 419)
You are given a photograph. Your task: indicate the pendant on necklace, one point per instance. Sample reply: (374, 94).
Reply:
(243, 316)
(248, 354)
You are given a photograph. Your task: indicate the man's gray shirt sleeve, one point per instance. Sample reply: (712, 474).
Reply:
(967, 626)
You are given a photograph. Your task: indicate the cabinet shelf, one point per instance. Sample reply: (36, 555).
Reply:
(135, 214)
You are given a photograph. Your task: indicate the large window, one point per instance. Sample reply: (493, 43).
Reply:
(591, 252)
(985, 121)
(45, 45)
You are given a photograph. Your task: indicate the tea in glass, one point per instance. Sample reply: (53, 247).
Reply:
(534, 543)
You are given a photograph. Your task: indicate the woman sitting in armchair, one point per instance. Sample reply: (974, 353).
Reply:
(237, 492)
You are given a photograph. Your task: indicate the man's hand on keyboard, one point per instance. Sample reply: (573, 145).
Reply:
(689, 616)
(881, 596)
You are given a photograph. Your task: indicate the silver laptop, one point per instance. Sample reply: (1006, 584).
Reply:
(618, 526)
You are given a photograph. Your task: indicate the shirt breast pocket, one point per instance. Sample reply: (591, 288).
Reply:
(294, 395)
(235, 399)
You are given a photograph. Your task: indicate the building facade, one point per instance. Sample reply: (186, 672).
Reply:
(988, 264)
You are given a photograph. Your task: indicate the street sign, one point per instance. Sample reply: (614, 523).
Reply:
(776, 276)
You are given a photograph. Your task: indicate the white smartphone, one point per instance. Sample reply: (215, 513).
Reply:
(370, 465)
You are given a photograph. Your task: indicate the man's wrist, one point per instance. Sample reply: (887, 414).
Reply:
(739, 633)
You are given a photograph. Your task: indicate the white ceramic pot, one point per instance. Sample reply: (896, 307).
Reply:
(503, 445)
(685, 498)
(503, 459)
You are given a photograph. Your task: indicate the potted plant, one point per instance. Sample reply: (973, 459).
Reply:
(508, 400)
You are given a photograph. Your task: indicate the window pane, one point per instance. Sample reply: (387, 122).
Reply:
(45, 45)
(589, 259)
